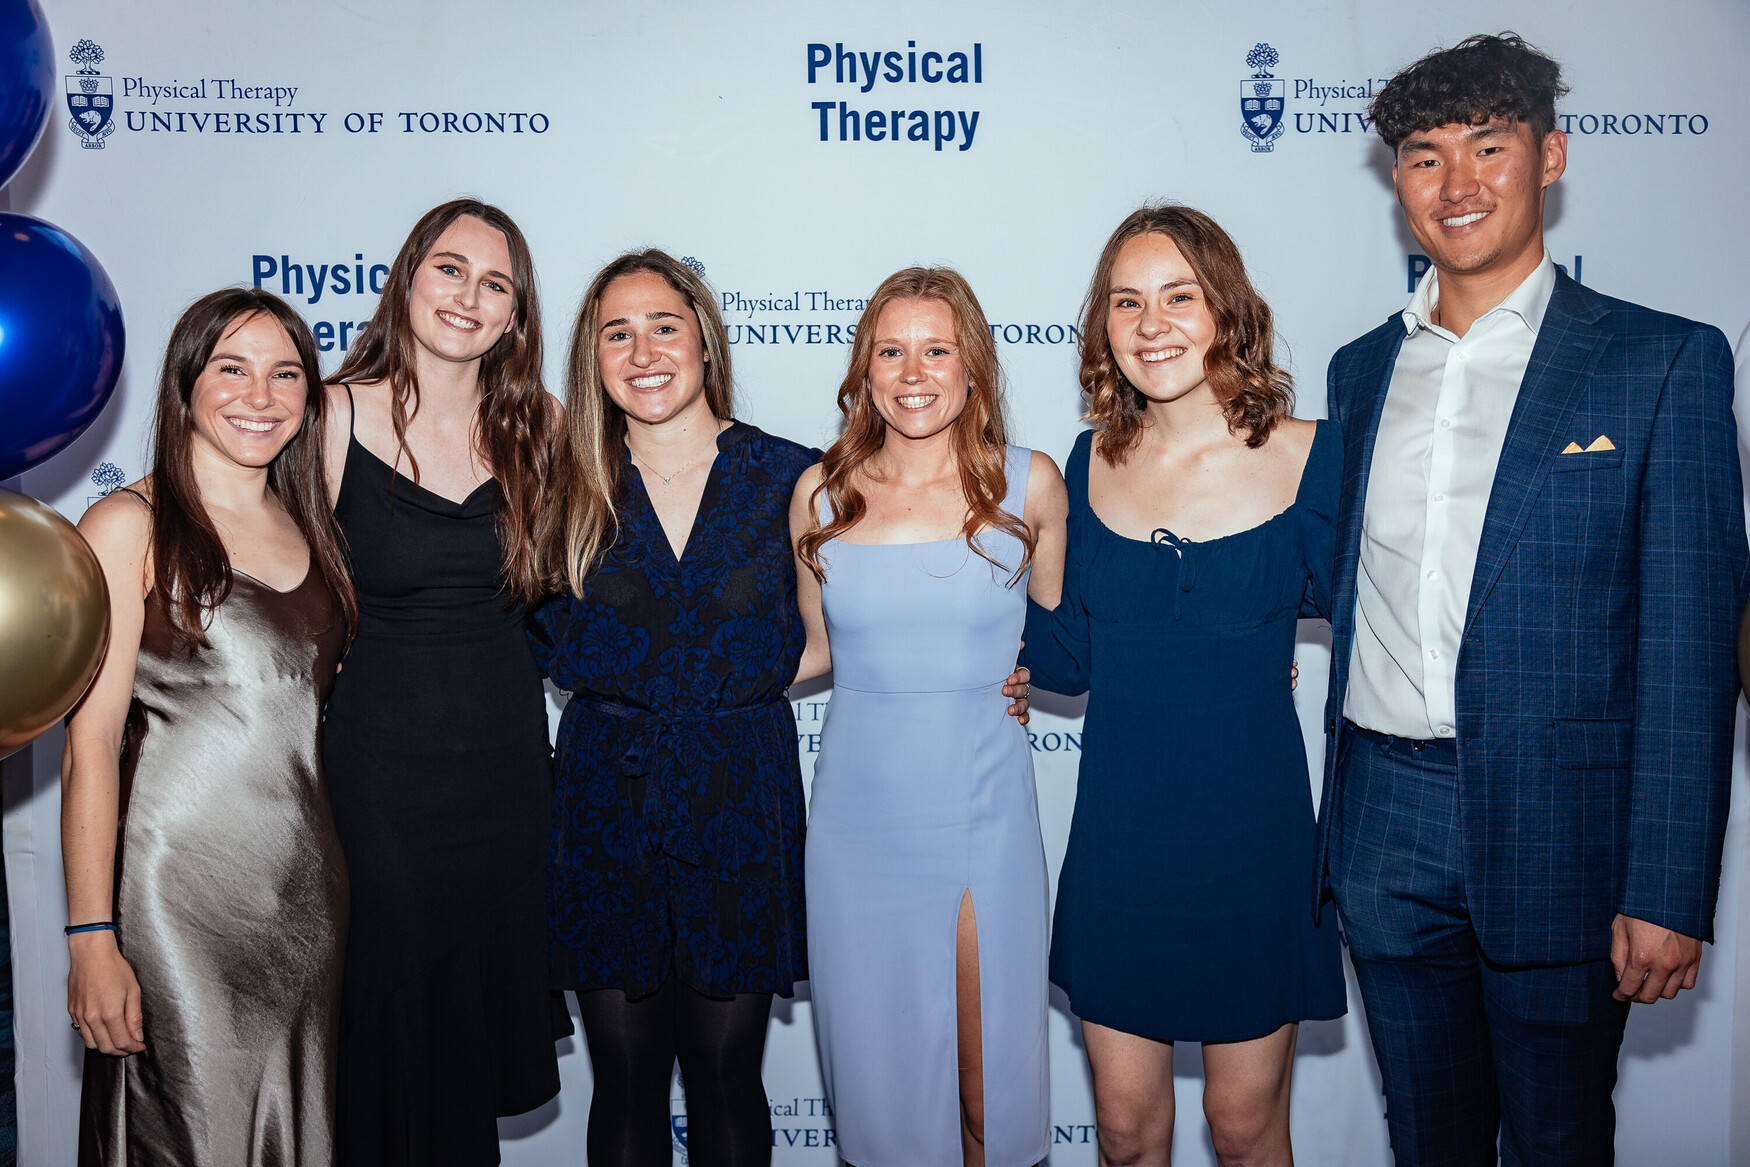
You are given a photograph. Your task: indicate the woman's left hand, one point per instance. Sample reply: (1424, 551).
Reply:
(1017, 689)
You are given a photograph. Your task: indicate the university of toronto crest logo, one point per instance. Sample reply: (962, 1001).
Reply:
(677, 1123)
(1262, 97)
(90, 96)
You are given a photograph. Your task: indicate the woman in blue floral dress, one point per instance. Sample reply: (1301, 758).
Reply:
(674, 892)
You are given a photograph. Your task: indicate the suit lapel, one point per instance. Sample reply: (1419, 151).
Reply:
(1373, 374)
(1568, 345)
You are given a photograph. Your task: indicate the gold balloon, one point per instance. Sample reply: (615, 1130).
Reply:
(54, 618)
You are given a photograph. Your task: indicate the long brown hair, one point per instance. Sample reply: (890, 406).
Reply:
(1241, 365)
(191, 574)
(980, 439)
(515, 435)
(595, 427)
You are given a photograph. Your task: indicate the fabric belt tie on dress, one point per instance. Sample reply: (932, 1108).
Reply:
(676, 835)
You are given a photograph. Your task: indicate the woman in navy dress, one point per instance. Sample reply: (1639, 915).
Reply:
(1200, 520)
(674, 892)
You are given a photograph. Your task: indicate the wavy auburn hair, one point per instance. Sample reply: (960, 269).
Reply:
(588, 520)
(514, 431)
(1241, 364)
(980, 439)
(191, 573)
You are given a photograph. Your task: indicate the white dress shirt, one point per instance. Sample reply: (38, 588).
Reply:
(1440, 436)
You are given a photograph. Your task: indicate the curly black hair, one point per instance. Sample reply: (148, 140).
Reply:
(1473, 82)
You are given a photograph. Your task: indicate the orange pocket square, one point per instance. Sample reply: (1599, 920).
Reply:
(1600, 443)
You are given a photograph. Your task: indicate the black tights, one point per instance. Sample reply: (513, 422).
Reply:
(633, 1046)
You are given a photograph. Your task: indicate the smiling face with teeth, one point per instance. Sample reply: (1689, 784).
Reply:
(463, 300)
(248, 400)
(1473, 196)
(1158, 321)
(650, 350)
(917, 379)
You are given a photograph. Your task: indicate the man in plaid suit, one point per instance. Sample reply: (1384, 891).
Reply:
(1541, 560)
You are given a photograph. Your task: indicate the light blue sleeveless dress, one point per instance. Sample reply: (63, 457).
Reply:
(923, 790)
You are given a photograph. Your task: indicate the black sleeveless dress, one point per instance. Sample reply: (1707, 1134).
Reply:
(441, 778)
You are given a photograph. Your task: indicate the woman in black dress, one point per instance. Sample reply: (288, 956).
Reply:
(436, 736)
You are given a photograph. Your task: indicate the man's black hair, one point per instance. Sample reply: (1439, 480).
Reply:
(1472, 83)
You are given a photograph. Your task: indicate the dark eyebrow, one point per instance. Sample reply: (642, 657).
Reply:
(660, 314)
(458, 256)
(245, 360)
(1181, 283)
(1490, 129)
(1494, 129)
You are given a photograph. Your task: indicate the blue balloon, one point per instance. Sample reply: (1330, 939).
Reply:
(60, 341)
(27, 82)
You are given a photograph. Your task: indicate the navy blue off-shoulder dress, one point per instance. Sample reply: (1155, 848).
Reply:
(1183, 903)
(677, 827)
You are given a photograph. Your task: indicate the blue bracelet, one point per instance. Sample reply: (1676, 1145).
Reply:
(75, 929)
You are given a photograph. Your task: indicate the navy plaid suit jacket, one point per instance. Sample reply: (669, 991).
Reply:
(1596, 683)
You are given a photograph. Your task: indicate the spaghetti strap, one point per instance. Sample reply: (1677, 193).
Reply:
(352, 412)
(144, 501)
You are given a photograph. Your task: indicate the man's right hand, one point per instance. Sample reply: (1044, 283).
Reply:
(103, 996)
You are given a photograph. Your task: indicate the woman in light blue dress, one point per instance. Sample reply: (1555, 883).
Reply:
(919, 538)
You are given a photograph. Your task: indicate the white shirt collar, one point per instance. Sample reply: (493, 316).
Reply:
(1528, 301)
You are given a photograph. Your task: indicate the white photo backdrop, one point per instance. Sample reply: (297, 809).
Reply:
(799, 153)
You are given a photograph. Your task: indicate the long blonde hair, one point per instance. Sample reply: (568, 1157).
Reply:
(980, 434)
(595, 427)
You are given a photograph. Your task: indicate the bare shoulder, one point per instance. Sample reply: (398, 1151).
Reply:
(802, 512)
(1047, 496)
(555, 410)
(119, 526)
(1296, 435)
(1042, 469)
(809, 481)
(365, 398)
(337, 406)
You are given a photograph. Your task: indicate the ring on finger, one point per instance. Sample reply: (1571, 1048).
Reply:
(75, 1025)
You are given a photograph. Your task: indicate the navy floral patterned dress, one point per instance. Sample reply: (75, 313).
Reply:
(677, 826)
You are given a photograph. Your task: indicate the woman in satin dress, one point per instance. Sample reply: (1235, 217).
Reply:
(205, 884)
